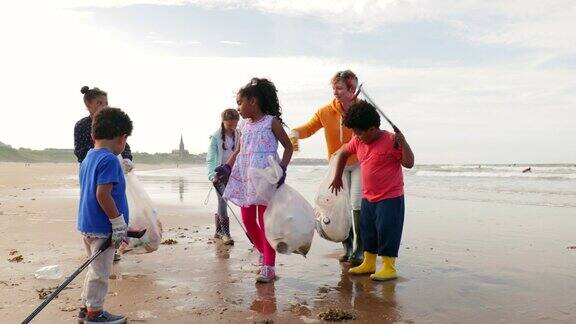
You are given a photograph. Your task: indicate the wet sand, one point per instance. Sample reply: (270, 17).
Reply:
(460, 262)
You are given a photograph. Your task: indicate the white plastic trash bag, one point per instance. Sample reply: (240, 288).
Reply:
(333, 212)
(265, 180)
(142, 216)
(49, 272)
(289, 218)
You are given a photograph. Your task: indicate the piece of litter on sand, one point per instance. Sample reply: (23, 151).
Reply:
(299, 309)
(48, 272)
(336, 315)
(571, 247)
(13, 252)
(17, 259)
(45, 292)
(68, 308)
(266, 321)
(169, 242)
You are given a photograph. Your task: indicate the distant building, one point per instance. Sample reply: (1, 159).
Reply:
(181, 151)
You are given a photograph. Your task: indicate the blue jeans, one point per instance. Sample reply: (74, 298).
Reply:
(381, 226)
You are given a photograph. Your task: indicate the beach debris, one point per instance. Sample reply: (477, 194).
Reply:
(49, 272)
(299, 309)
(233, 301)
(18, 258)
(45, 292)
(336, 315)
(68, 308)
(169, 242)
(13, 252)
(266, 321)
(9, 284)
(571, 247)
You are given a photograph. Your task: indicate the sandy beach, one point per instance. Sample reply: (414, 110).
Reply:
(462, 260)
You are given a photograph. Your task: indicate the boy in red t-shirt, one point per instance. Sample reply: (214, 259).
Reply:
(382, 155)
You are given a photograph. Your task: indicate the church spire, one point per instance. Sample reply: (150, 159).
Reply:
(181, 149)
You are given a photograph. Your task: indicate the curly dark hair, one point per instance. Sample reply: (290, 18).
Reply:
(91, 94)
(110, 123)
(267, 95)
(361, 115)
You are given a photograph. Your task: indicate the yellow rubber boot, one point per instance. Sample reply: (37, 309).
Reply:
(388, 271)
(367, 266)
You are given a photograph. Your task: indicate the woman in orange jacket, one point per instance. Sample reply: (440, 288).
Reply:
(330, 118)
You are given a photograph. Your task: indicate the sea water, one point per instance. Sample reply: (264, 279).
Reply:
(546, 185)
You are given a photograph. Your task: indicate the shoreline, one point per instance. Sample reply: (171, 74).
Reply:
(460, 261)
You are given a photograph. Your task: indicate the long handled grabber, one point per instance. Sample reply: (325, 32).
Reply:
(361, 90)
(220, 193)
(103, 247)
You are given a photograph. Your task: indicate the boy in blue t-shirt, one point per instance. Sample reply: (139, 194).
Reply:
(103, 210)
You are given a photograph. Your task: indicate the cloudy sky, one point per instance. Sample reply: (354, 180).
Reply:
(468, 81)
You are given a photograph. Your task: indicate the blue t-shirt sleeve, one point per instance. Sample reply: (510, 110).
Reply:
(109, 171)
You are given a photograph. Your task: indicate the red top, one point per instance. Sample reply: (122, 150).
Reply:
(380, 165)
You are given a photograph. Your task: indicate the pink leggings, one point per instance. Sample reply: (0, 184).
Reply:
(256, 232)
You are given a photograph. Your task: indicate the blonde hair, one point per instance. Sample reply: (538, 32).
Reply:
(347, 77)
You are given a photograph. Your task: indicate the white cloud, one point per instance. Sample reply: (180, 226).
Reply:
(156, 38)
(547, 24)
(553, 28)
(449, 114)
(228, 42)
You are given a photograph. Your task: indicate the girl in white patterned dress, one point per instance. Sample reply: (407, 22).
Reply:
(258, 104)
